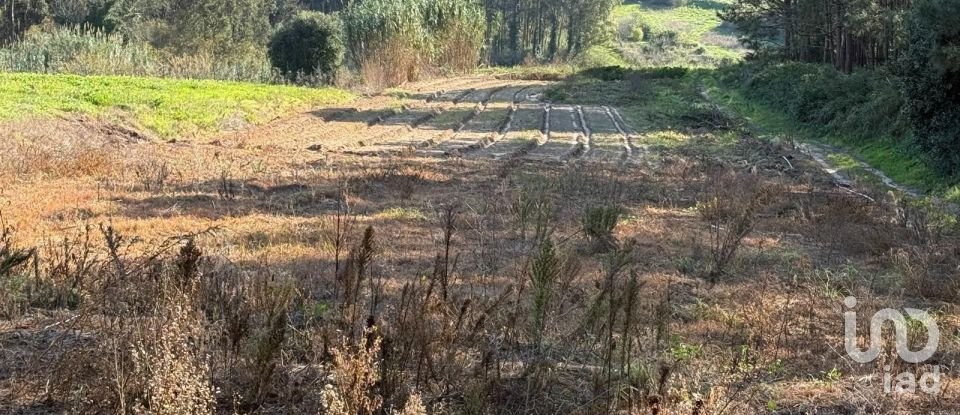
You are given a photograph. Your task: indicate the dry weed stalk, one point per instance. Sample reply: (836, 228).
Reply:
(226, 187)
(733, 203)
(391, 64)
(523, 208)
(274, 301)
(174, 365)
(612, 318)
(12, 301)
(11, 256)
(927, 219)
(351, 277)
(488, 252)
(150, 353)
(930, 271)
(444, 267)
(414, 406)
(337, 235)
(353, 379)
(152, 175)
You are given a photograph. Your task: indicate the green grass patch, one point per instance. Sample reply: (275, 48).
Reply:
(651, 99)
(665, 138)
(691, 22)
(690, 34)
(400, 213)
(531, 73)
(600, 56)
(167, 107)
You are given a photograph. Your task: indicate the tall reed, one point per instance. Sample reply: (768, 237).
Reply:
(90, 51)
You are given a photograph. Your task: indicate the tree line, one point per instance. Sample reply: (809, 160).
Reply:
(543, 29)
(510, 31)
(912, 46)
(844, 33)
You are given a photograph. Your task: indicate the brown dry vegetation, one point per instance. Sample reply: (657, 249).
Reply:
(249, 274)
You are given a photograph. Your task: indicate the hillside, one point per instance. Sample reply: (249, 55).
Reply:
(642, 218)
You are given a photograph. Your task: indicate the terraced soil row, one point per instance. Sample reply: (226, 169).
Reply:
(452, 113)
(549, 133)
(479, 118)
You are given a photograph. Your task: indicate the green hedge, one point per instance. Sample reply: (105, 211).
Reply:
(864, 105)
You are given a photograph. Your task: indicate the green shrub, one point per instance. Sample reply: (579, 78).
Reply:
(664, 72)
(599, 223)
(311, 44)
(865, 105)
(80, 12)
(666, 3)
(606, 73)
(545, 271)
(222, 28)
(619, 73)
(930, 72)
(630, 28)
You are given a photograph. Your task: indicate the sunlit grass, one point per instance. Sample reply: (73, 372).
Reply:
(700, 37)
(401, 213)
(166, 107)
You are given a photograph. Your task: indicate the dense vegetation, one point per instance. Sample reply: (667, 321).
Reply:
(895, 67)
(388, 41)
(309, 45)
(391, 41)
(930, 73)
(543, 29)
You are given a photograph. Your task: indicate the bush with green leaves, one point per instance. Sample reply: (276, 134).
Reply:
(930, 73)
(865, 105)
(599, 222)
(81, 12)
(311, 44)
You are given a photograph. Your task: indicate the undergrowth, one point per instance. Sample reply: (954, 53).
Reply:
(861, 113)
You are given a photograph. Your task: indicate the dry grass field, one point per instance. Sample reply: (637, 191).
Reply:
(472, 245)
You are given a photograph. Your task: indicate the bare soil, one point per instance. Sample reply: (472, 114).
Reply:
(765, 335)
